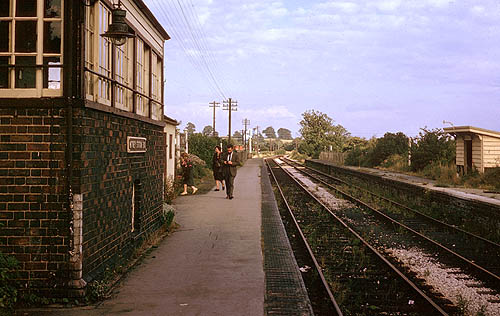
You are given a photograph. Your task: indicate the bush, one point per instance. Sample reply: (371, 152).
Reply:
(492, 177)
(298, 156)
(432, 147)
(443, 174)
(396, 162)
(203, 146)
(8, 286)
(171, 187)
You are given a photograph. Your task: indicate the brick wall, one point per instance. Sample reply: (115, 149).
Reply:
(104, 173)
(33, 209)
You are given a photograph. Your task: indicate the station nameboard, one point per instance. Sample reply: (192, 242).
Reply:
(136, 144)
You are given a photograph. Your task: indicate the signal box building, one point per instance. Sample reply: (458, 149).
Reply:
(82, 142)
(476, 148)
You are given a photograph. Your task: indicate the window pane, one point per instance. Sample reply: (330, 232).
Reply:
(52, 8)
(52, 37)
(4, 72)
(26, 36)
(4, 35)
(5, 8)
(25, 7)
(52, 75)
(25, 77)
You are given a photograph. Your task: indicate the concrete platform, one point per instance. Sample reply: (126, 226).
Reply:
(212, 265)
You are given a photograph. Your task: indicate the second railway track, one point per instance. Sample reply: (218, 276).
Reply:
(397, 244)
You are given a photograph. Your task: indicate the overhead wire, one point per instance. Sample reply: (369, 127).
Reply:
(174, 32)
(204, 42)
(200, 49)
(196, 50)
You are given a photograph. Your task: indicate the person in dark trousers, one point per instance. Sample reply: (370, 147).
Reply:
(187, 174)
(217, 168)
(231, 160)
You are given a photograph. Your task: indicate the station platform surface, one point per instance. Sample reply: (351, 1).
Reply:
(213, 264)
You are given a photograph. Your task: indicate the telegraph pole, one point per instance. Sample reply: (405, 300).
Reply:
(245, 123)
(214, 105)
(230, 106)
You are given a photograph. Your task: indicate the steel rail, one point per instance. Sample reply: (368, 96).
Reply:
(375, 251)
(452, 227)
(316, 264)
(351, 198)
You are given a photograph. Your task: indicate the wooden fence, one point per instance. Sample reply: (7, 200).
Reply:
(336, 158)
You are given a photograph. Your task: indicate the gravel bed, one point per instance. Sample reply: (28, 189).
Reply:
(449, 282)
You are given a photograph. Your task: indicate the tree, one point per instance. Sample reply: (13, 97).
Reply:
(190, 128)
(390, 144)
(269, 132)
(237, 136)
(284, 133)
(208, 130)
(319, 133)
(432, 147)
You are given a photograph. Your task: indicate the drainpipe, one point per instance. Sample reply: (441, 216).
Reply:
(73, 87)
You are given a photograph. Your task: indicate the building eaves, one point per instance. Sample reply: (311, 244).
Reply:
(170, 120)
(471, 129)
(143, 7)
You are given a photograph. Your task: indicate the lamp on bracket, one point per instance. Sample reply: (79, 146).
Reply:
(118, 29)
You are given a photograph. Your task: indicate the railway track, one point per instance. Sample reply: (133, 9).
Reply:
(478, 256)
(356, 274)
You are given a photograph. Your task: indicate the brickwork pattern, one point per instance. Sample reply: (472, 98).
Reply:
(104, 173)
(34, 223)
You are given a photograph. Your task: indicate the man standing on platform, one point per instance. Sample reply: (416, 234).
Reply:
(231, 161)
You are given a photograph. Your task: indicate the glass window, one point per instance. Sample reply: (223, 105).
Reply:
(31, 36)
(52, 75)
(26, 36)
(25, 7)
(4, 72)
(52, 9)
(25, 76)
(4, 35)
(52, 37)
(4, 8)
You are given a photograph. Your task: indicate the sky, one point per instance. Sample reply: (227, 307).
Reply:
(372, 66)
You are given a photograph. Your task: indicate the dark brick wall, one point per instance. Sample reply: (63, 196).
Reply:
(33, 210)
(104, 173)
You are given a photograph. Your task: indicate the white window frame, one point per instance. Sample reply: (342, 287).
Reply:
(38, 91)
(136, 65)
(156, 84)
(104, 63)
(90, 53)
(123, 63)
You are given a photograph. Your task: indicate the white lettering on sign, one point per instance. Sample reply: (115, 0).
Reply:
(136, 144)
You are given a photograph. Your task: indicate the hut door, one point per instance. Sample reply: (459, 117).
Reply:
(468, 155)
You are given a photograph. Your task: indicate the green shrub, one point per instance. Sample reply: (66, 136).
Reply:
(492, 177)
(8, 286)
(298, 156)
(396, 162)
(432, 147)
(203, 146)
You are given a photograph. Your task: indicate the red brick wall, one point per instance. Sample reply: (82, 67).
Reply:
(33, 208)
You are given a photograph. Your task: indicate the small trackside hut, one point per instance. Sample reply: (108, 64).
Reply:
(82, 142)
(476, 148)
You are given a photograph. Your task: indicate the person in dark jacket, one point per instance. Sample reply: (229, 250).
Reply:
(231, 160)
(217, 168)
(187, 174)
